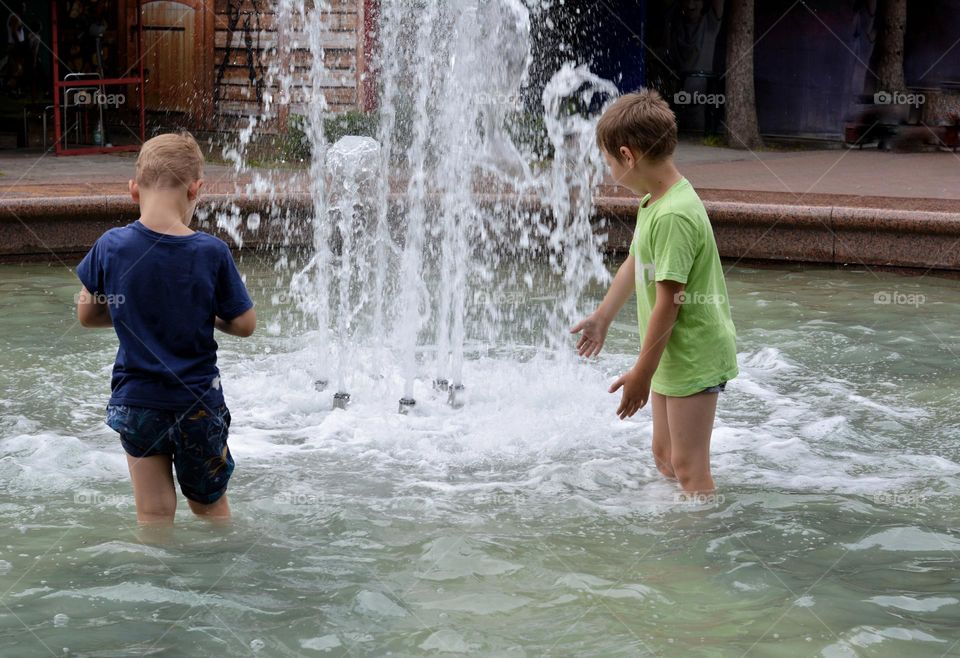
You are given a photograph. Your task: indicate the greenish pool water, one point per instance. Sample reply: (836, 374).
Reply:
(531, 522)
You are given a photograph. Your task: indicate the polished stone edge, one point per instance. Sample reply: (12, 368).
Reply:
(52, 228)
(817, 234)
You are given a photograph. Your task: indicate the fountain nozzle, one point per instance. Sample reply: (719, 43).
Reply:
(406, 404)
(320, 385)
(341, 400)
(441, 384)
(457, 395)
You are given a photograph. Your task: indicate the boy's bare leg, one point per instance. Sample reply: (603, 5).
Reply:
(661, 435)
(691, 425)
(215, 511)
(153, 490)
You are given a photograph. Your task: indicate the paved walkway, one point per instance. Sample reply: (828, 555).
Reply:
(868, 178)
(839, 176)
(827, 206)
(867, 174)
(32, 174)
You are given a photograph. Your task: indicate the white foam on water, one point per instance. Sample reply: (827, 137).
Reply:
(448, 641)
(912, 604)
(324, 643)
(48, 461)
(122, 547)
(378, 605)
(536, 429)
(909, 539)
(863, 637)
(146, 593)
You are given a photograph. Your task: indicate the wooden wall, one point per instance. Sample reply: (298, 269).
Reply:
(235, 42)
(243, 50)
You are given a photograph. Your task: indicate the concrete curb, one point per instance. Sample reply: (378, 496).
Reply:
(836, 235)
(58, 227)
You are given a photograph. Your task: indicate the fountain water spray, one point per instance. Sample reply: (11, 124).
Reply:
(445, 194)
(352, 167)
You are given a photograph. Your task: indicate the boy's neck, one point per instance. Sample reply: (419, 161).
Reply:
(167, 225)
(657, 178)
(165, 218)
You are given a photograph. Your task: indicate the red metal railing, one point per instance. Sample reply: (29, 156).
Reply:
(60, 87)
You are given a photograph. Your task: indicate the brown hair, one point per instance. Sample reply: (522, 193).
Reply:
(641, 121)
(171, 160)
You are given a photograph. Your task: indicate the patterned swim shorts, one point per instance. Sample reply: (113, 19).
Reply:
(719, 388)
(195, 440)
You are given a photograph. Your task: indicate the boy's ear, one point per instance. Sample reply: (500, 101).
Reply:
(134, 190)
(193, 190)
(626, 156)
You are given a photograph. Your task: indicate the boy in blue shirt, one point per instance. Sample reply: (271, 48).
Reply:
(164, 288)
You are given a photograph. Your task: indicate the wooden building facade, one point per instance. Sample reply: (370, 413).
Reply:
(206, 66)
(210, 59)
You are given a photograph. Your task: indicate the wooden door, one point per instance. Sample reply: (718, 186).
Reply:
(173, 56)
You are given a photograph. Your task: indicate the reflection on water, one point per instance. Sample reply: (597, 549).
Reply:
(531, 522)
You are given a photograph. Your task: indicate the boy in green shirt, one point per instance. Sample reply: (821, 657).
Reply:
(688, 352)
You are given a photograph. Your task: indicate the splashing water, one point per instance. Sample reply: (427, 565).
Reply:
(447, 194)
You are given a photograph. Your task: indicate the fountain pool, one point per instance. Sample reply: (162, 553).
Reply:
(530, 522)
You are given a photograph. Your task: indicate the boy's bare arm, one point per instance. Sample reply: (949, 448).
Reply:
(92, 310)
(595, 326)
(243, 325)
(662, 320)
(636, 382)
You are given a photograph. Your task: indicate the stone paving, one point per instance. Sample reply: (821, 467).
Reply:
(803, 177)
(834, 205)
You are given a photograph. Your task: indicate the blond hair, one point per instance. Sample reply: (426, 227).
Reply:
(641, 121)
(171, 160)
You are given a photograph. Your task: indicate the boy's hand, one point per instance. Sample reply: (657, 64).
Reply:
(594, 330)
(636, 392)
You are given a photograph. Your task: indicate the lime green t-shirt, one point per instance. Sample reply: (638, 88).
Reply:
(674, 241)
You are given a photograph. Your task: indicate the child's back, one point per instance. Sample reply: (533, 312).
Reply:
(164, 288)
(165, 292)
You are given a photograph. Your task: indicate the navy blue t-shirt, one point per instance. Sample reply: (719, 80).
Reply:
(163, 292)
